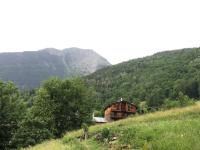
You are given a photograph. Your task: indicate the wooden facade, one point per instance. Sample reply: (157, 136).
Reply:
(119, 110)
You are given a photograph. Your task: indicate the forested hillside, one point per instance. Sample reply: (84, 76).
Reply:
(152, 79)
(28, 69)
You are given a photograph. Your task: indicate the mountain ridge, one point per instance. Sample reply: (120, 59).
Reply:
(27, 69)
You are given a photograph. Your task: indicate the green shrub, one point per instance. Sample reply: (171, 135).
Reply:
(143, 107)
(98, 113)
(170, 103)
(105, 135)
(31, 132)
(184, 100)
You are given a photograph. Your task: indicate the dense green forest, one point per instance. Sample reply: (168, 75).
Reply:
(56, 107)
(154, 79)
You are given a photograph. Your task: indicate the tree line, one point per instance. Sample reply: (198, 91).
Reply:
(57, 106)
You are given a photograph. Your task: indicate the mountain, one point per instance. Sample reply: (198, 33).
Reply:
(152, 79)
(28, 69)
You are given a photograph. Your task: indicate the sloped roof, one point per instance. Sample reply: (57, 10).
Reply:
(119, 101)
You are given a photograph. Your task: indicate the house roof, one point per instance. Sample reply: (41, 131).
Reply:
(99, 119)
(119, 101)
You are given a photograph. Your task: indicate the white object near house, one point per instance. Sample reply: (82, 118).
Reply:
(98, 119)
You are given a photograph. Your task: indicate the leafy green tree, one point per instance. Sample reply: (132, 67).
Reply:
(27, 96)
(97, 113)
(30, 132)
(184, 99)
(143, 107)
(58, 106)
(168, 103)
(12, 111)
(62, 105)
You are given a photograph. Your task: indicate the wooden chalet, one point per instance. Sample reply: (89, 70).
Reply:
(119, 110)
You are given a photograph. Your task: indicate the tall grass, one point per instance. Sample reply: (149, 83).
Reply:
(175, 129)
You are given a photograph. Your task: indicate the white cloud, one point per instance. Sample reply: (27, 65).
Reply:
(117, 29)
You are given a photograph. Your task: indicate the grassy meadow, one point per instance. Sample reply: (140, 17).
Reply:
(175, 129)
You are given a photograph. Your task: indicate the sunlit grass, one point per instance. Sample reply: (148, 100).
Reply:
(50, 145)
(177, 128)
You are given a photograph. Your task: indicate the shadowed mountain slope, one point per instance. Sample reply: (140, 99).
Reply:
(28, 69)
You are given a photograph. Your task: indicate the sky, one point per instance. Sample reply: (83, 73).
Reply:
(118, 30)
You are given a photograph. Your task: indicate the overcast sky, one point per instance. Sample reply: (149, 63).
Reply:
(119, 30)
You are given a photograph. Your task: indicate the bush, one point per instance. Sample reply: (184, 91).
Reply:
(30, 132)
(170, 103)
(106, 134)
(143, 107)
(184, 100)
(98, 113)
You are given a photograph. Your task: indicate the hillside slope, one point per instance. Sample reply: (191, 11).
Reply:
(28, 69)
(153, 78)
(167, 130)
